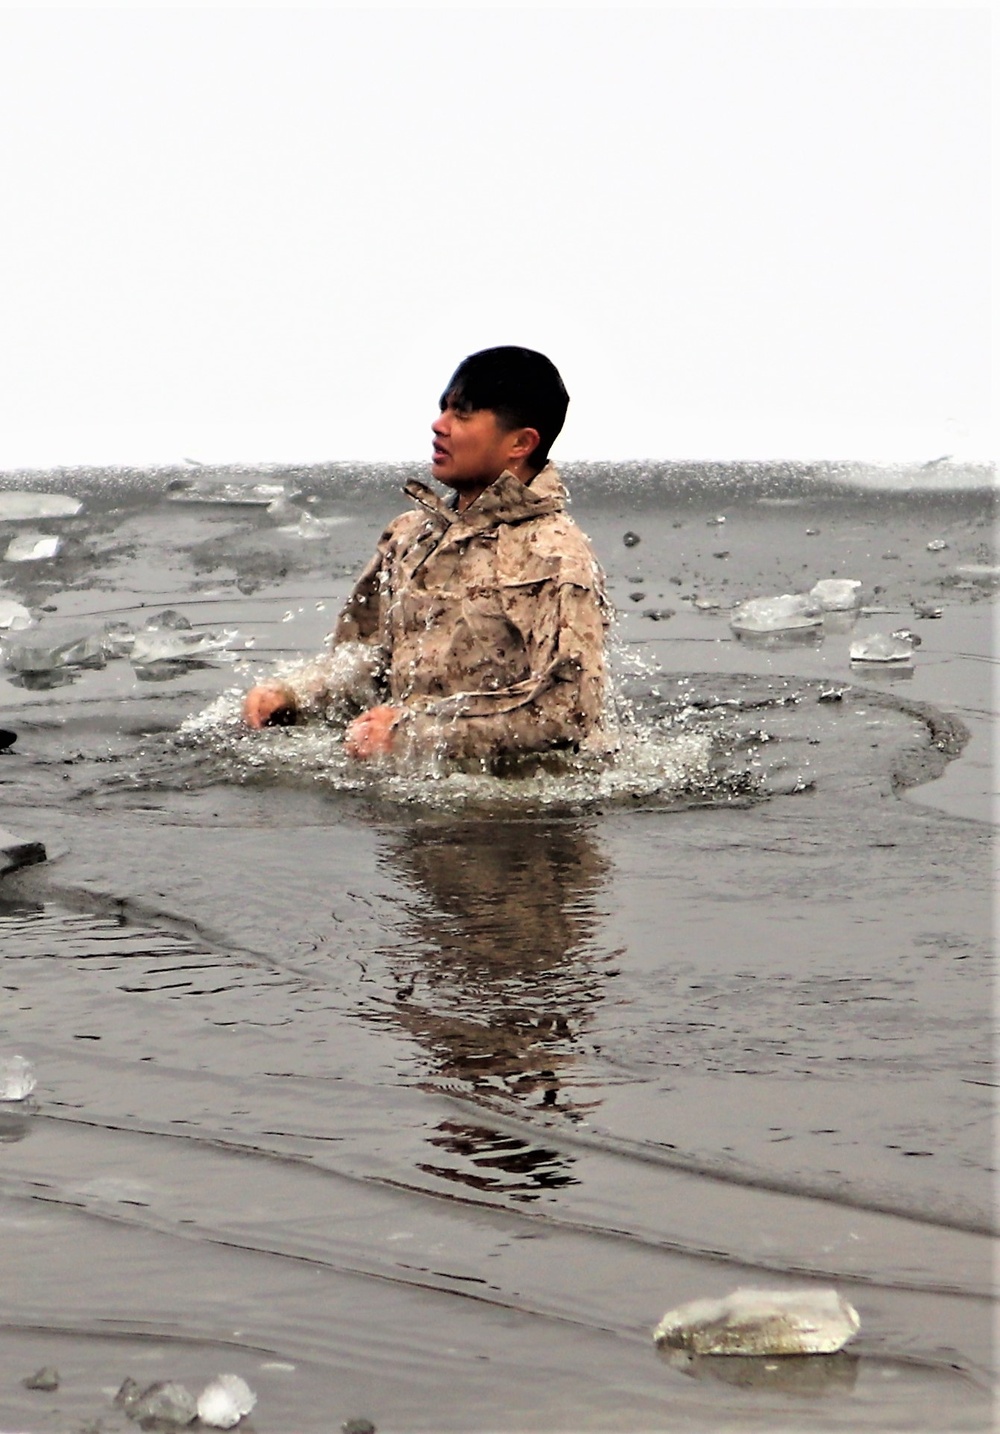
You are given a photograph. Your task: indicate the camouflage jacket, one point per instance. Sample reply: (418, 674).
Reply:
(489, 625)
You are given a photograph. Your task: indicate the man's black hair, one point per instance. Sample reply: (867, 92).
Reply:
(523, 388)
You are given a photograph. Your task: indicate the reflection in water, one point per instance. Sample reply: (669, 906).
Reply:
(496, 977)
(797, 1374)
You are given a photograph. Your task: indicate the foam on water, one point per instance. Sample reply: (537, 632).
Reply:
(679, 764)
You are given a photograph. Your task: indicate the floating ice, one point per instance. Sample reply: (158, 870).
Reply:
(31, 547)
(17, 506)
(223, 1403)
(776, 614)
(936, 545)
(50, 648)
(978, 572)
(17, 1078)
(836, 594)
(878, 647)
(239, 495)
(45, 1379)
(117, 638)
(13, 616)
(755, 1322)
(178, 644)
(167, 1403)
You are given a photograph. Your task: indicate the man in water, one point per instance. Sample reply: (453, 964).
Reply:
(482, 618)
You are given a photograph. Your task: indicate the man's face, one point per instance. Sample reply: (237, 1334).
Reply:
(471, 450)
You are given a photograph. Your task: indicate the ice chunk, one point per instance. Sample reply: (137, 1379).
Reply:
(177, 644)
(18, 507)
(51, 648)
(223, 1403)
(14, 617)
(45, 1379)
(212, 490)
(836, 594)
(776, 614)
(878, 647)
(755, 1322)
(31, 547)
(117, 638)
(978, 572)
(169, 1403)
(17, 1078)
(936, 545)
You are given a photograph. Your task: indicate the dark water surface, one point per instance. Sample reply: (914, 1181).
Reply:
(423, 1098)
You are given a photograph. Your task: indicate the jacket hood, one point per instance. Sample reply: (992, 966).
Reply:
(508, 500)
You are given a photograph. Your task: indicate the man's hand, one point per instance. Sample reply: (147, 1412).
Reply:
(372, 734)
(271, 704)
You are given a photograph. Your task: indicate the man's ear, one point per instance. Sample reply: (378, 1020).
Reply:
(524, 441)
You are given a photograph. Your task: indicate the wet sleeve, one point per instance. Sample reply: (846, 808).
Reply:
(346, 679)
(559, 705)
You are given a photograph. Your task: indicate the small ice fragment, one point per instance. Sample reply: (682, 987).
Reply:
(168, 1403)
(713, 521)
(13, 616)
(169, 617)
(310, 528)
(53, 647)
(17, 1078)
(223, 1403)
(978, 572)
(756, 1322)
(178, 644)
(836, 594)
(118, 639)
(936, 545)
(45, 1379)
(214, 490)
(31, 547)
(18, 507)
(877, 647)
(776, 614)
(927, 610)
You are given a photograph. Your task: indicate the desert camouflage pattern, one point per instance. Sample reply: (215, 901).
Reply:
(490, 624)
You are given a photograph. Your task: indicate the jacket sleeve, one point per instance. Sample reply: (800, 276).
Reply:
(563, 623)
(347, 678)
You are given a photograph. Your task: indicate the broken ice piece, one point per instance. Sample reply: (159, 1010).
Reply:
(17, 1078)
(223, 1403)
(117, 639)
(755, 1322)
(52, 647)
(127, 1395)
(177, 644)
(167, 1403)
(13, 616)
(30, 547)
(936, 545)
(17, 506)
(776, 614)
(878, 647)
(45, 1379)
(836, 594)
(214, 490)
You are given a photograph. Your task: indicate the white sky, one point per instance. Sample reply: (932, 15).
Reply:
(262, 234)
